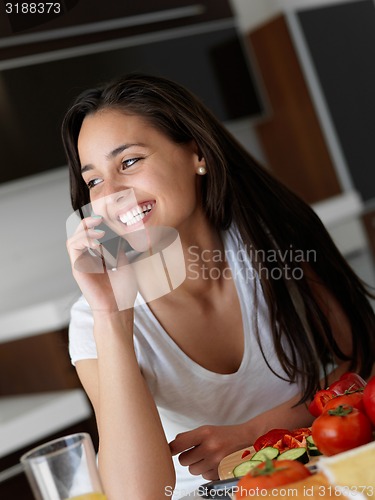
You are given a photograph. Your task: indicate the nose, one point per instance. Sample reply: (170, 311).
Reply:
(118, 196)
(110, 200)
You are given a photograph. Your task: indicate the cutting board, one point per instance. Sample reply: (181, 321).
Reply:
(229, 462)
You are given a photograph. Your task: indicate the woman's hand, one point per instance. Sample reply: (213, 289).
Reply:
(106, 290)
(202, 449)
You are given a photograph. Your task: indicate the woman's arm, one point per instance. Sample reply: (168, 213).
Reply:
(134, 457)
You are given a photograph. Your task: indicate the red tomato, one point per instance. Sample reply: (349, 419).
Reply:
(320, 399)
(354, 399)
(269, 438)
(347, 382)
(369, 399)
(341, 429)
(270, 474)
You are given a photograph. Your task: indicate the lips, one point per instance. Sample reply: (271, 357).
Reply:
(136, 213)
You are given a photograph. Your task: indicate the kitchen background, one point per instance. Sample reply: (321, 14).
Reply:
(293, 80)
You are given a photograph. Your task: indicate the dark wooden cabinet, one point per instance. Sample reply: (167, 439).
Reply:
(290, 134)
(36, 364)
(91, 21)
(28, 366)
(92, 44)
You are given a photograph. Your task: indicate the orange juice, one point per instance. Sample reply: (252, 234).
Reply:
(89, 496)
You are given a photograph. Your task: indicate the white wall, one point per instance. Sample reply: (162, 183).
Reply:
(36, 287)
(252, 13)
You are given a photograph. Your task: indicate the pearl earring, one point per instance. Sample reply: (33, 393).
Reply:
(201, 170)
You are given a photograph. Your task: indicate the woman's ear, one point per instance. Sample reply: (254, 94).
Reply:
(200, 167)
(197, 151)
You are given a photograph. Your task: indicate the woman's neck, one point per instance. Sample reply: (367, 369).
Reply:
(204, 260)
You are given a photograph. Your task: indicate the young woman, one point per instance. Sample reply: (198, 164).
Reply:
(269, 310)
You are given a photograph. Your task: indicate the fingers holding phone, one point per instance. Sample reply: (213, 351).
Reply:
(84, 243)
(99, 265)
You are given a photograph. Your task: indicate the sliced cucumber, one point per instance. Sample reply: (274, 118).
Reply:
(299, 454)
(310, 441)
(312, 449)
(268, 452)
(243, 468)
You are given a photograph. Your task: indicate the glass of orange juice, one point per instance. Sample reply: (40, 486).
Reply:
(64, 469)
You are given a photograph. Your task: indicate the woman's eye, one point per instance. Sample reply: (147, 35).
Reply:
(93, 183)
(129, 163)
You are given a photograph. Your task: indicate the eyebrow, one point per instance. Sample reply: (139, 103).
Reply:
(115, 152)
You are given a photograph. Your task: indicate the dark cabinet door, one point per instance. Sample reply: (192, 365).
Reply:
(135, 15)
(341, 42)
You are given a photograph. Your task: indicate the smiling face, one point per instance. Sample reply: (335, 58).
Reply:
(136, 175)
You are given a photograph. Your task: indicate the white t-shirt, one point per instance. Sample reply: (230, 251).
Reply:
(186, 394)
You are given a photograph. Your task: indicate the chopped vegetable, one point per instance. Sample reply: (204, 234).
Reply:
(269, 438)
(268, 452)
(288, 441)
(320, 399)
(299, 454)
(282, 439)
(311, 447)
(300, 433)
(244, 467)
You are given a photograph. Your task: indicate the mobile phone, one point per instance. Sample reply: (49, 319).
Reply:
(221, 489)
(110, 246)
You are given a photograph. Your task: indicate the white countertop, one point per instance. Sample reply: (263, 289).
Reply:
(341, 217)
(36, 293)
(37, 288)
(29, 418)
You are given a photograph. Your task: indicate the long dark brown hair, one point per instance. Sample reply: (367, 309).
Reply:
(269, 217)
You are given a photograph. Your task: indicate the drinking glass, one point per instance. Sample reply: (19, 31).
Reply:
(64, 469)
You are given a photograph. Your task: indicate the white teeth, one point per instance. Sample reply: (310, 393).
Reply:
(135, 214)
